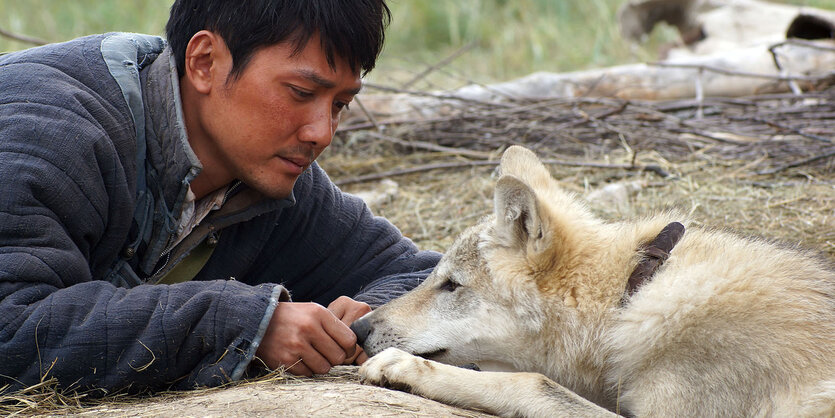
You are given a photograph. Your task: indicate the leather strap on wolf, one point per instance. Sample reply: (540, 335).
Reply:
(655, 253)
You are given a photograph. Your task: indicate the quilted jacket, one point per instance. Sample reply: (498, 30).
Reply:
(94, 169)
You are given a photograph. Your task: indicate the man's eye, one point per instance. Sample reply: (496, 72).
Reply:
(341, 105)
(301, 93)
(449, 286)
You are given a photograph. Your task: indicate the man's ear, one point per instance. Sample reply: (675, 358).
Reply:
(519, 219)
(205, 60)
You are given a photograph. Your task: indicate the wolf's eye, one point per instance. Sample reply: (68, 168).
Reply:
(449, 286)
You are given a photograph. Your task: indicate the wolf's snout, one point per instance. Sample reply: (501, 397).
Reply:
(361, 327)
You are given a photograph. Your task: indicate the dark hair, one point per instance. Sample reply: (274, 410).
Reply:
(353, 30)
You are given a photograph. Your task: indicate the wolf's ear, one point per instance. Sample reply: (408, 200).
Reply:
(519, 221)
(524, 164)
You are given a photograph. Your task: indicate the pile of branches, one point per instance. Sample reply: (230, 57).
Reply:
(768, 133)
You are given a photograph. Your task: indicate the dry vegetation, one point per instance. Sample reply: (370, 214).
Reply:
(277, 395)
(761, 165)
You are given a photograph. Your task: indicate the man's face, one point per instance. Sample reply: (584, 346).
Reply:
(269, 124)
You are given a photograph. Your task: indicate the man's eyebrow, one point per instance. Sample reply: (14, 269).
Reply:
(316, 78)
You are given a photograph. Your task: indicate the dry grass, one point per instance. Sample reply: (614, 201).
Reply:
(746, 165)
(338, 393)
(46, 398)
(727, 170)
(798, 207)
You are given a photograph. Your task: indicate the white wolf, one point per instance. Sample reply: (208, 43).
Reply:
(726, 326)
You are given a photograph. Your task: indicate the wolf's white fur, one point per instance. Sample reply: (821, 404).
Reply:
(728, 326)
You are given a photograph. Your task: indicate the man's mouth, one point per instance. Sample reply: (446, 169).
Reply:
(300, 163)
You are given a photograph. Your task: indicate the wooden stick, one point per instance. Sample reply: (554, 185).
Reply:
(431, 147)
(22, 38)
(798, 163)
(440, 166)
(442, 63)
(434, 95)
(726, 71)
(367, 113)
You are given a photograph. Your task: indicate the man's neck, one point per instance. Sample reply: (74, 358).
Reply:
(202, 185)
(213, 176)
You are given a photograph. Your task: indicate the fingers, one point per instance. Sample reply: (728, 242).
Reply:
(339, 306)
(348, 310)
(330, 345)
(298, 357)
(332, 351)
(315, 362)
(358, 358)
(341, 335)
(362, 358)
(306, 338)
(307, 363)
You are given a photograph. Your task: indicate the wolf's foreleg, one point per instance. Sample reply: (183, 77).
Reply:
(505, 394)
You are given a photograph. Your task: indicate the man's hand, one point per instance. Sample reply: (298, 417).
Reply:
(306, 338)
(348, 311)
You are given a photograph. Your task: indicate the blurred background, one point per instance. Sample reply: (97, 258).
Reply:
(711, 162)
(482, 40)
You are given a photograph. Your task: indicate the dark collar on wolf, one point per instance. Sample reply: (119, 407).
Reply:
(654, 254)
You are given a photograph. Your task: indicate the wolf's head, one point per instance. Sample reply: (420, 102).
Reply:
(534, 260)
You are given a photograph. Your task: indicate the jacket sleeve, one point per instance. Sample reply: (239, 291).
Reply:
(65, 209)
(330, 244)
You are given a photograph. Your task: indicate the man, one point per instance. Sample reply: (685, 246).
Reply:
(153, 196)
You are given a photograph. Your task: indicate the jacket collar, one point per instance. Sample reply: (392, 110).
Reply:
(169, 152)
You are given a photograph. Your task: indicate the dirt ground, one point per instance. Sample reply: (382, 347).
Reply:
(337, 394)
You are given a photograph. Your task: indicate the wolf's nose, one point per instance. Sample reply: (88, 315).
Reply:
(361, 327)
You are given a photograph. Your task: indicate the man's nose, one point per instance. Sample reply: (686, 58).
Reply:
(362, 328)
(319, 129)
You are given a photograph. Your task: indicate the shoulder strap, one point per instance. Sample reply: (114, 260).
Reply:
(192, 264)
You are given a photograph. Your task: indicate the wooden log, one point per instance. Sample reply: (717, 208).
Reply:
(743, 72)
(743, 51)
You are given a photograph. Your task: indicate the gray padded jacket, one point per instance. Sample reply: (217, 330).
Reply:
(94, 169)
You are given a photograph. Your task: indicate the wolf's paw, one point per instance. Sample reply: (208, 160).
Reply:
(392, 368)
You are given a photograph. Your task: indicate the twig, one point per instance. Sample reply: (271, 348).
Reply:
(439, 166)
(614, 111)
(503, 111)
(454, 117)
(810, 160)
(790, 129)
(145, 367)
(431, 147)
(726, 71)
(367, 113)
(753, 128)
(438, 65)
(806, 44)
(700, 94)
(434, 95)
(795, 88)
(599, 120)
(22, 38)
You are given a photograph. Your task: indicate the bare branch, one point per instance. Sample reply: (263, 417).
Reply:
(22, 38)
(463, 164)
(725, 71)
